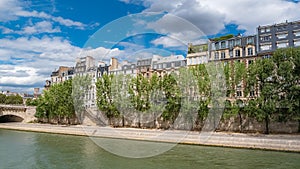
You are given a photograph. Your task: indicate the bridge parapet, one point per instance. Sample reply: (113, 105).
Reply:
(25, 112)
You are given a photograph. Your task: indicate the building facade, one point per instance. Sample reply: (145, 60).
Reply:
(62, 74)
(165, 65)
(197, 54)
(143, 67)
(235, 49)
(272, 37)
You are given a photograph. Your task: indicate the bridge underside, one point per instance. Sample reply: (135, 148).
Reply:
(10, 118)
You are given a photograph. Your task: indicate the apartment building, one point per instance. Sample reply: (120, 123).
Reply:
(272, 37)
(235, 49)
(197, 54)
(62, 74)
(144, 67)
(165, 65)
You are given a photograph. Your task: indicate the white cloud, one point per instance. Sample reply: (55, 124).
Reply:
(10, 75)
(167, 42)
(211, 16)
(101, 53)
(12, 10)
(28, 62)
(40, 27)
(8, 9)
(6, 30)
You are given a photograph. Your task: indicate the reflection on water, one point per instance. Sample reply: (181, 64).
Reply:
(38, 150)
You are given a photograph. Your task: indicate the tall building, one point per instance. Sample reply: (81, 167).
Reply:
(236, 48)
(84, 64)
(166, 65)
(62, 74)
(144, 67)
(272, 37)
(197, 54)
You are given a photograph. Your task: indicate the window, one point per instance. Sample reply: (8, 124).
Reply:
(222, 55)
(250, 40)
(223, 44)
(155, 66)
(231, 43)
(297, 33)
(239, 93)
(217, 45)
(281, 28)
(282, 36)
(238, 42)
(250, 51)
(297, 43)
(159, 66)
(265, 47)
(251, 93)
(266, 56)
(265, 38)
(268, 29)
(216, 55)
(250, 62)
(237, 53)
(282, 45)
(262, 30)
(231, 54)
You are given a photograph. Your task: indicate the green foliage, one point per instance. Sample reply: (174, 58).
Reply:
(139, 90)
(57, 102)
(225, 37)
(104, 94)
(31, 102)
(2, 98)
(80, 85)
(13, 99)
(173, 97)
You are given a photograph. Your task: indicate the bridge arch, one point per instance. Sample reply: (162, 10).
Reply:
(10, 118)
(16, 113)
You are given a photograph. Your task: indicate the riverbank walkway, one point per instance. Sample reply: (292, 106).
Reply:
(280, 142)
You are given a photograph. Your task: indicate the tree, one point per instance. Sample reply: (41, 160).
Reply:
(204, 89)
(14, 99)
(173, 96)
(104, 94)
(80, 85)
(31, 102)
(2, 98)
(139, 91)
(287, 63)
(57, 103)
(261, 77)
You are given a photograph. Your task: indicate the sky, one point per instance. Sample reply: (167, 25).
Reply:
(38, 36)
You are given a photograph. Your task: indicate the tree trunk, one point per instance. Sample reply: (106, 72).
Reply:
(241, 122)
(267, 120)
(123, 121)
(298, 126)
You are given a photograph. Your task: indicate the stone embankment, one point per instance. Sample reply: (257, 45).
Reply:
(283, 142)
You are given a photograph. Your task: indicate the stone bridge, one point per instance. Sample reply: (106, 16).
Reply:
(16, 113)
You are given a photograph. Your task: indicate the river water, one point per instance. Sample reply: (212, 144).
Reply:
(29, 150)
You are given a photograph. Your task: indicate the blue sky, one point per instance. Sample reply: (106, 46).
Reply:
(37, 36)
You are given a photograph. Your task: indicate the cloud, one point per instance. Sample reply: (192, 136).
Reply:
(101, 53)
(12, 10)
(6, 30)
(40, 27)
(167, 42)
(8, 9)
(43, 15)
(26, 62)
(211, 16)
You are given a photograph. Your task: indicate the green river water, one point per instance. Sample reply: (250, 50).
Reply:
(27, 150)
